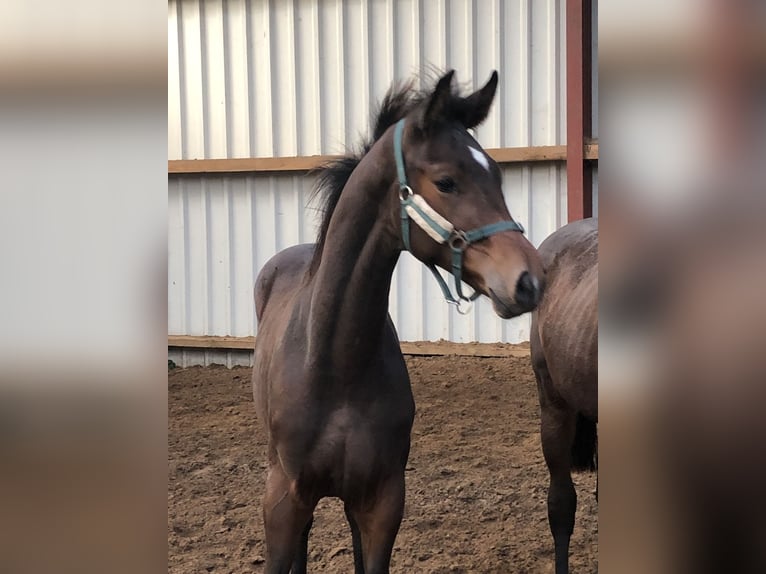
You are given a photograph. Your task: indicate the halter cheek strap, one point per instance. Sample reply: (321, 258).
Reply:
(416, 208)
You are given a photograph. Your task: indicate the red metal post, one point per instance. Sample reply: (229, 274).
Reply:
(578, 46)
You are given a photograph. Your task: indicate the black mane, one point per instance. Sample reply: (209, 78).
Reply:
(333, 176)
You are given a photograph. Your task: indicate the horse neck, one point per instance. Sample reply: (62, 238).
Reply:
(349, 303)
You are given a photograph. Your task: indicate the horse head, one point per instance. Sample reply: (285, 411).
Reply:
(453, 213)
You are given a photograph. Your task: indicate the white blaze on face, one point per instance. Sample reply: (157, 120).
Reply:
(480, 158)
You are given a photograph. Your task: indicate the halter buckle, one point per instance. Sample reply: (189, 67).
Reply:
(405, 192)
(458, 241)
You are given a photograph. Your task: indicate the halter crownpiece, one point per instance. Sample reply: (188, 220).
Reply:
(415, 207)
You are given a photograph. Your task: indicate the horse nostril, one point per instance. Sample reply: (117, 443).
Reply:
(527, 290)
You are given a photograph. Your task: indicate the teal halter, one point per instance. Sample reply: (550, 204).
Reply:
(438, 227)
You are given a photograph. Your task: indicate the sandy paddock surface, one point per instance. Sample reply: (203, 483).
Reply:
(476, 479)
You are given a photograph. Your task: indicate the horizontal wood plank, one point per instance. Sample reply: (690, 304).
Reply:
(306, 163)
(251, 164)
(408, 348)
(528, 154)
(209, 342)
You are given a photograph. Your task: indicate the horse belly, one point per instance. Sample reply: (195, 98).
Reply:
(569, 337)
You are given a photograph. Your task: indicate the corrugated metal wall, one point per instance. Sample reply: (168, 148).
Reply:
(300, 77)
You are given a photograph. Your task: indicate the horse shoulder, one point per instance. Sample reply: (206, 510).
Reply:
(281, 274)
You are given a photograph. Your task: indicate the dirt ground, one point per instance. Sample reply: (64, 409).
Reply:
(476, 480)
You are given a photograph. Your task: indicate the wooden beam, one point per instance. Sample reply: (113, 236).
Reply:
(528, 154)
(417, 348)
(591, 151)
(209, 342)
(306, 163)
(578, 48)
(251, 164)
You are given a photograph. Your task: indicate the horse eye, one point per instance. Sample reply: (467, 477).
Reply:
(446, 185)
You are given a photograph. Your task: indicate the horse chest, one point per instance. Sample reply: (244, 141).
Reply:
(344, 452)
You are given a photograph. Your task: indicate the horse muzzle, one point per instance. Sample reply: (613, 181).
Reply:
(522, 298)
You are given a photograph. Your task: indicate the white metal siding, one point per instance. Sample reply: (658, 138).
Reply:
(301, 77)
(204, 357)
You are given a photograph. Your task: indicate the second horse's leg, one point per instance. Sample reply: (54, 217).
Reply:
(557, 434)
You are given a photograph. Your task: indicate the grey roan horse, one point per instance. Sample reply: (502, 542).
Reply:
(564, 347)
(329, 380)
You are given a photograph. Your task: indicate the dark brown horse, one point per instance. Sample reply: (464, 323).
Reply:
(564, 346)
(329, 380)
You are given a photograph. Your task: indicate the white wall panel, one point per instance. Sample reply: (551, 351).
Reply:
(266, 78)
(221, 231)
(206, 358)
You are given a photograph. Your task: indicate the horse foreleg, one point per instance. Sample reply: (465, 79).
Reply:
(287, 522)
(300, 563)
(379, 522)
(356, 540)
(557, 434)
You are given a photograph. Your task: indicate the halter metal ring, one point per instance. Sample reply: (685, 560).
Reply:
(464, 306)
(458, 241)
(405, 192)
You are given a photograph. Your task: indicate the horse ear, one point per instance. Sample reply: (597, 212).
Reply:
(475, 107)
(437, 101)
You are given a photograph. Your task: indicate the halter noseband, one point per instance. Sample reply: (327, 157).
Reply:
(415, 207)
